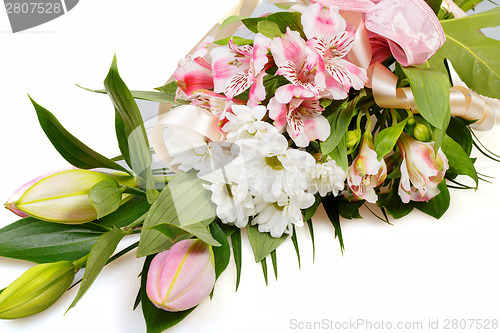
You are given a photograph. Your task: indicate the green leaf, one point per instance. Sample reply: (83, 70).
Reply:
(458, 160)
(236, 245)
(295, 242)
(121, 137)
(101, 252)
(262, 242)
(231, 19)
(311, 232)
(331, 204)
(152, 96)
(274, 261)
(157, 320)
(431, 89)
(71, 149)
(106, 197)
(339, 154)
(182, 203)
(269, 29)
(236, 40)
(459, 132)
(473, 55)
(386, 139)
(284, 20)
(435, 5)
(339, 123)
(221, 253)
(175, 233)
(438, 205)
(41, 242)
(393, 204)
(126, 107)
(350, 210)
(263, 263)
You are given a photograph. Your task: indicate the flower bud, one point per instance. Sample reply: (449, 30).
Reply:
(353, 138)
(422, 133)
(181, 277)
(366, 172)
(422, 169)
(60, 197)
(37, 289)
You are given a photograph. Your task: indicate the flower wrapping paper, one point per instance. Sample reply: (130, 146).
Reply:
(419, 269)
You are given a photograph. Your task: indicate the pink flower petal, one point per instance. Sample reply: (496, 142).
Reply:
(319, 20)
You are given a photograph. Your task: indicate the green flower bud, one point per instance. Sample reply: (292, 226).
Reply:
(353, 138)
(422, 133)
(37, 289)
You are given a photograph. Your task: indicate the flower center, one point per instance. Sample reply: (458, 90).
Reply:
(274, 163)
(278, 207)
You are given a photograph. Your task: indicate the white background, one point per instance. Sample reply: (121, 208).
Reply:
(416, 270)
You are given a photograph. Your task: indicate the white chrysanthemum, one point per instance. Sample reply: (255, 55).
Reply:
(246, 123)
(277, 217)
(272, 168)
(189, 150)
(233, 200)
(326, 177)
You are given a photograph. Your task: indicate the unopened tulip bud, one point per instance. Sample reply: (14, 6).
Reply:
(60, 197)
(181, 277)
(36, 290)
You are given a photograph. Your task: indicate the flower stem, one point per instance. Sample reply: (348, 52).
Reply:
(79, 263)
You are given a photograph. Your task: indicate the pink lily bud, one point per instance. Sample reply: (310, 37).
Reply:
(181, 277)
(421, 171)
(366, 172)
(61, 196)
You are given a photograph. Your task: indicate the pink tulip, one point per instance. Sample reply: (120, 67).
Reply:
(366, 172)
(181, 277)
(421, 171)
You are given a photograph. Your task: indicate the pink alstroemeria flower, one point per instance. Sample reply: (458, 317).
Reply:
(366, 172)
(195, 71)
(237, 68)
(301, 118)
(216, 103)
(326, 33)
(300, 65)
(421, 171)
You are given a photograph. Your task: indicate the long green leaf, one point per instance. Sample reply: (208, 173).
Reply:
(182, 202)
(221, 253)
(274, 261)
(431, 90)
(331, 207)
(41, 242)
(152, 96)
(473, 55)
(71, 149)
(157, 320)
(101, 252)
(236, 245)
(126, 107)
(458, 160)
(262, 242)
(295, 242)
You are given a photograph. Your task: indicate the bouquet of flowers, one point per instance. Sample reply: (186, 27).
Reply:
(323, 103)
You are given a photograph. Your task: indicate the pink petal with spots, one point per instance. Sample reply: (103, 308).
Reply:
(285, 93)
(193, 76)
(225, 65)
(289, 48)
(319, 20)
(261, 46)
